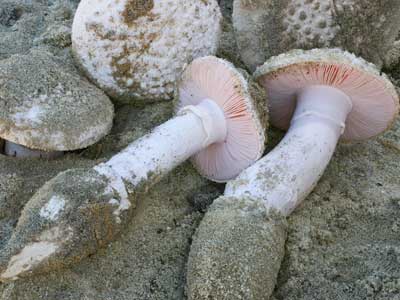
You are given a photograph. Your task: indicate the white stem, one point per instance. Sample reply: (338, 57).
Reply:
(12, 149)
(170, 144)
(284, 177)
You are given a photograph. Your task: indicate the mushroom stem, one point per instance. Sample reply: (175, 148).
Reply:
(193, 129)
(12, 149)
(293, 168)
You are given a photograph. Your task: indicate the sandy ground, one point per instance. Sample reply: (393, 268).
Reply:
(343, 242)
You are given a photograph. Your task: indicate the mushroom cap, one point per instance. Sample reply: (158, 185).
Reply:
(136, 49)
(46, 105)
(243, 104)
(375, 100)
(269, 27)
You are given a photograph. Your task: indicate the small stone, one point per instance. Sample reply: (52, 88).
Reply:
(62, 110)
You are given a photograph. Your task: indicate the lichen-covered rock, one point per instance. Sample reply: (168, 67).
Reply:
(236, 252)
(46, 105)
(267, 28)
(135, 50)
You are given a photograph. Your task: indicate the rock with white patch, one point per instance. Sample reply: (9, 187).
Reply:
(70, 217)
(45, 104)
(53, 208)
(265, 28)
(135, 49)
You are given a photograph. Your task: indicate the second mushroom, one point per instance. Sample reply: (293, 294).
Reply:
(320, 96)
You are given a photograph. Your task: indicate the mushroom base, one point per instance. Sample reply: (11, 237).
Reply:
(12, 149)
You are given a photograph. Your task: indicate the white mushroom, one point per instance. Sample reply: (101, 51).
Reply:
(218, 124)
(319, 96)
(135, 50)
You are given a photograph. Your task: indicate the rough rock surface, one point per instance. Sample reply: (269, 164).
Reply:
(269, 27)
(46, 105)
(343, 242)
(28, 23)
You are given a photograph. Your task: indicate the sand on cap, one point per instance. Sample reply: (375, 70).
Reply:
(218, 80)
(135, 50)
(375, 100)
(47, 106)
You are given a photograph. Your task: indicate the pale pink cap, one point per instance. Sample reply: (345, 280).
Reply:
(375, 100)
(216, 79)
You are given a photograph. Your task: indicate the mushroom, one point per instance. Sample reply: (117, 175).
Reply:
(319, 95)
(266, 28)
(135, 50)
(218, 124)
(46, 108)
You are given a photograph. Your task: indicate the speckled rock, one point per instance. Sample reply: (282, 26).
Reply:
(20, 22)
(267, 28)
(135, 50)
(236, 252)
(46, 105)
(23, 22)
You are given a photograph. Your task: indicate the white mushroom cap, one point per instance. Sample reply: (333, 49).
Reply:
(136, 49)
(216, 79)
(269, 27)
(374, 98)
(45, 106)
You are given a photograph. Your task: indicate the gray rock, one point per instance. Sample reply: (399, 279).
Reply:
(46, 105)
(25, 24)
